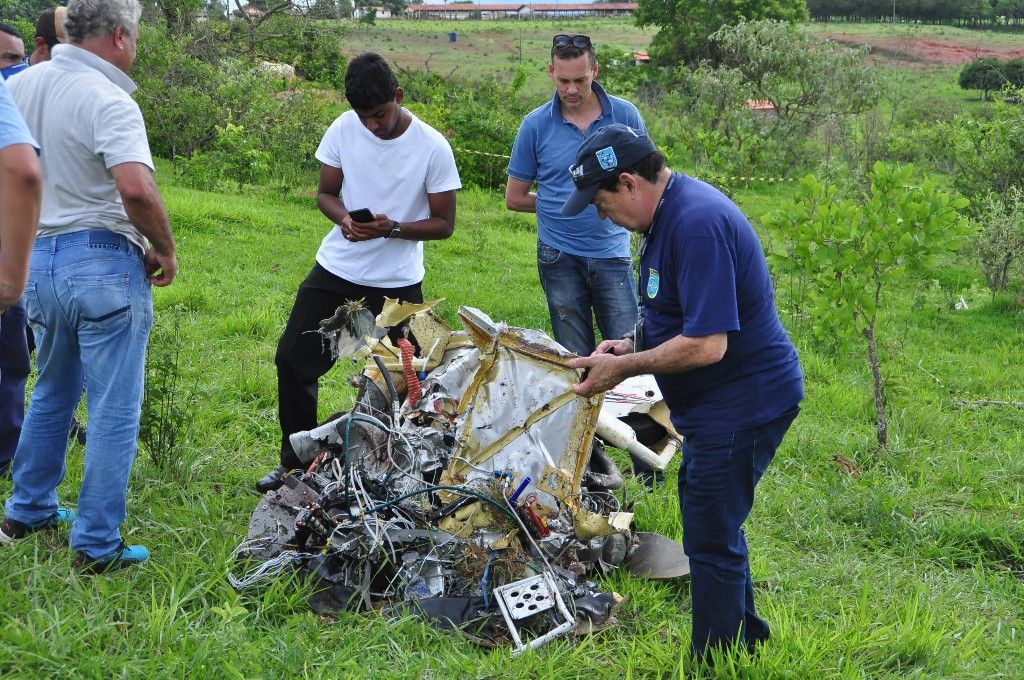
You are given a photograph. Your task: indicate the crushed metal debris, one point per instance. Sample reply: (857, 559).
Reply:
(465, 485)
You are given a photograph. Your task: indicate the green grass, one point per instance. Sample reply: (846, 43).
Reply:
(490, 49)
(913, 569)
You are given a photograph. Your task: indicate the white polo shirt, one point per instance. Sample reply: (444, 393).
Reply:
(79, 108)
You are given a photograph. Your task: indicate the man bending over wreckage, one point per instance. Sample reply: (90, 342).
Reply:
(710, 333)
(379, 158)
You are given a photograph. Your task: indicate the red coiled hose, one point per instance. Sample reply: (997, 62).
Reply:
(412, 381)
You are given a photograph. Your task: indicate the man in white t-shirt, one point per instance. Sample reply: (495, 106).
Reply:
(380, 157)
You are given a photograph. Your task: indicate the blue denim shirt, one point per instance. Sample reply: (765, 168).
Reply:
(12, 127)
(544, 149)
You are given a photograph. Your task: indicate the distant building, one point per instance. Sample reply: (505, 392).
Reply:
(468, 10)
(596, 9)
(382, 12)
(762, 107)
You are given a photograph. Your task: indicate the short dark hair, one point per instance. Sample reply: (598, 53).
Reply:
(647, 167)
(369, 81)
(10, 30)
(570, 51)
(46, 27)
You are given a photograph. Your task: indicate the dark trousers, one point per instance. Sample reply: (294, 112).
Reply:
(717, 477)
(302, 354)
(14, 370)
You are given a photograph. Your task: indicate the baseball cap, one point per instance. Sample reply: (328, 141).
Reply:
(603, 154)
(50, 26)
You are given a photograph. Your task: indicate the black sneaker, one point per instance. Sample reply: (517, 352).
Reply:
(273, 480)
(13, 530)
(124, 556)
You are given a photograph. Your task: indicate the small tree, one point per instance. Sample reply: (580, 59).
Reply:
(853, 251)
(255, 14)
(686, 25)
(999, 241)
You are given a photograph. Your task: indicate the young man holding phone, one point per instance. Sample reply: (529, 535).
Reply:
(388, 182)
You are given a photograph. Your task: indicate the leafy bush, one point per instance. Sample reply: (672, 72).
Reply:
(811, 91)
(982, 155)
(991, 74)
(480, 120)
(177, 94)
(999, 241)
(233, 158)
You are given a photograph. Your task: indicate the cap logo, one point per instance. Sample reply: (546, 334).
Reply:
(606, 158)
(576, 171)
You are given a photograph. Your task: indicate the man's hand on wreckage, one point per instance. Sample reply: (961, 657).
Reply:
(161, 269)
(604, 369)
(365, 231)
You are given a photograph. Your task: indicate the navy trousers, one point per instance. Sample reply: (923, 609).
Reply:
(717, 477)
(302, 357)
(14, 370)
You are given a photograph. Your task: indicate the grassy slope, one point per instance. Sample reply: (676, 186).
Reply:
(913, 568)
(490, 49)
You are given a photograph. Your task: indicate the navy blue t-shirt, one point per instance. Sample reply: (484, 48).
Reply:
(703, 272)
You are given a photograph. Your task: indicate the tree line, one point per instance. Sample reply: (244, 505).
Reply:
(953, 12)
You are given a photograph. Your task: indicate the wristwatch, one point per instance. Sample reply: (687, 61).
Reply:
(396, 230)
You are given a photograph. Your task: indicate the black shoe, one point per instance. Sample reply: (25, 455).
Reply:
(12, 530)
(273, 480)
(77, 432)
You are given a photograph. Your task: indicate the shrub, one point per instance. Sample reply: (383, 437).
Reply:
(991, 74)
(999, 242)
(233, 158)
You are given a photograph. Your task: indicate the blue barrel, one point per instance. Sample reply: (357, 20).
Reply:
(453, 36)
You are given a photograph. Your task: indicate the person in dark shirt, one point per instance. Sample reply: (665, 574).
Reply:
(710, 333)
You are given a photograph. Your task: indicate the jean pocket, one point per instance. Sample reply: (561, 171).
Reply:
(33, 310)
(103, 302)
(547, 254)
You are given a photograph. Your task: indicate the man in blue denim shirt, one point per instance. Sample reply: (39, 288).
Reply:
(104, 239)
(20, 185)
(583, 260)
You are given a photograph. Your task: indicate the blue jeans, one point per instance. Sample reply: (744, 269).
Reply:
(717, 477)
(14, 370)
(579, 289)
(91, 309)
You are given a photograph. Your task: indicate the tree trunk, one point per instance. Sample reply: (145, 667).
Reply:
(881, 423)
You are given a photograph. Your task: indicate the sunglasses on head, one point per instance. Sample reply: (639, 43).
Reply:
(562, 40)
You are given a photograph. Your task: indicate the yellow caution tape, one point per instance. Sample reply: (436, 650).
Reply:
(728, 178)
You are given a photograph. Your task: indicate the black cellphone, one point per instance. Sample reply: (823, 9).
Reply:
(361, 215)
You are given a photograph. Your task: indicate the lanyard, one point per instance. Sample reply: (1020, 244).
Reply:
(638, 332)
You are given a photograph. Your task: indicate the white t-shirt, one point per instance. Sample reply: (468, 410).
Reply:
(79, 108)
(387, 176)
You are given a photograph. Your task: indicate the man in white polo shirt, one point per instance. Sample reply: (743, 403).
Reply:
(380, 157)
(104, 238)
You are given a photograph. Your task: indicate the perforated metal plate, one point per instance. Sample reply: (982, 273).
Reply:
(527, 597)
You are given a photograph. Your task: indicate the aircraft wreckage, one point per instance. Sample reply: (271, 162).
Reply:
(465, 485)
